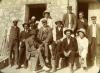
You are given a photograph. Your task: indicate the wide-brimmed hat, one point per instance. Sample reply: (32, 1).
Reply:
(25, 24)
(93, 18)
(67, 29)
(59, 22)
(44, 20)
(82, 30)
(69, 7)
(15, 20)
(46, 12)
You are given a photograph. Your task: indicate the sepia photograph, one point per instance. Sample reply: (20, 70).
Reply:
(49, 36)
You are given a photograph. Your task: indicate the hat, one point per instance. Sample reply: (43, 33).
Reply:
(44, 20)
(82, 30)
(67, 29)
(93, 17)
(16, 20)
(59, 22)
(33, 17)
(46, 12)
(33, 32)
(69, 7)
(25, 24)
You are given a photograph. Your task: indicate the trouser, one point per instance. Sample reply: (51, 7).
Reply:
(33, 61)
(22, 56)
(83, 62)
(93, 49)
(14, 52)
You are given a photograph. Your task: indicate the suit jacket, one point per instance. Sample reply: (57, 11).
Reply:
(46, 35)
(97, 33)
(23, 35)
(66, 20)
(31, 46)
(73, 46)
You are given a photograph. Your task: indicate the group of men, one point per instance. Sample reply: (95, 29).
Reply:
(47, 45)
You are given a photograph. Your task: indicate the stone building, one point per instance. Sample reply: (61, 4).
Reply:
(25, 9)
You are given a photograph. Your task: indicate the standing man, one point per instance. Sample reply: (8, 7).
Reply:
(82, 22)
(14, 43)
(94, 39)
(22, 47)
(70, 47)
(69, 19)
(47, 16)
(45, 35)
(56, 51)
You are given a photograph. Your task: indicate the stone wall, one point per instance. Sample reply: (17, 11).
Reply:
(11, 9)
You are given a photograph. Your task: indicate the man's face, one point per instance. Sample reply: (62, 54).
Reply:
(81, 15)
(46, 15)
(15, 23)
(26, 27)
(94, 21)
(81, 34)
(59, 25)
(68, 33)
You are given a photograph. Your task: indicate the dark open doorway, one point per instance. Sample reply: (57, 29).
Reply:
(34, 10)
(83, 6)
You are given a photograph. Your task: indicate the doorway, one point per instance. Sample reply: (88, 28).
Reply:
(83, 6)
(34, 10)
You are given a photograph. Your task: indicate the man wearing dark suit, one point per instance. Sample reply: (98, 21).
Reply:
(22, 47)
(33, 52)
(69, 19)
(14, 42)
(70, 47)
(94, 39)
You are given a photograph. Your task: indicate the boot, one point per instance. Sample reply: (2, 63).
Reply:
(53, 64)
(60, 63)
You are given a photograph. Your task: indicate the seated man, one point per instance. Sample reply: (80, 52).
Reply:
(82, 47)
(33, 52)
(69, 46)
(45, 35)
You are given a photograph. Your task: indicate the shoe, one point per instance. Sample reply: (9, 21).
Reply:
(85, 68)
(18, 67)
(34, 72)
(71, 71)
(53, 70)
(45, 68)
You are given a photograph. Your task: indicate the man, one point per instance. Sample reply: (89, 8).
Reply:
(22, 47)
(56, 52)
(69, 46)
(82, 22)
(83, 44)
(45, 35)
(33, 52)
(94, 39)
(32, 23)
(47, 16)
(69, 19)
(14, 43)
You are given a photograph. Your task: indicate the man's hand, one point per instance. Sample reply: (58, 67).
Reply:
(67, 53)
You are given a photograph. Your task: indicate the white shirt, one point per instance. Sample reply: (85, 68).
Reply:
(82, 46)
(93, 30)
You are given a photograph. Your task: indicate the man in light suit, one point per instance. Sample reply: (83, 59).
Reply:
(69, 19)
(94, 39)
